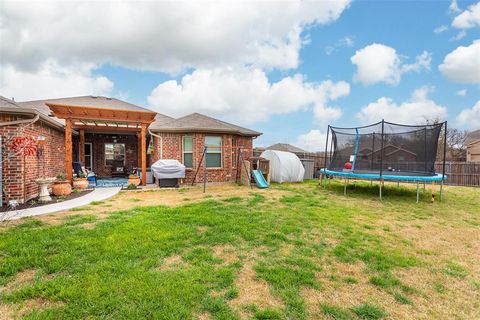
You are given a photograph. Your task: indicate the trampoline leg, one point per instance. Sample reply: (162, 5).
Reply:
(345, 188)
(424, 187)
(398, 184)
(441, 190)
(325, 181)
(418, 194)
(380, 190)
(433, 191)
(371, 182)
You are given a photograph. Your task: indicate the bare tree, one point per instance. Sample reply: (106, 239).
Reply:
(456, 143)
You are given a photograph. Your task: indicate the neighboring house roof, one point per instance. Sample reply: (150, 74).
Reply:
(396, 149)
(197, 122)
(473, 142)
(472, 136)
(285, 147)
(12, 107)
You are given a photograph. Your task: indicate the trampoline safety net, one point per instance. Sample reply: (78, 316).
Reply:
(386, 148)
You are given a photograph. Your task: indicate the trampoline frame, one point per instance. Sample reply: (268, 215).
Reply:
(381, 177)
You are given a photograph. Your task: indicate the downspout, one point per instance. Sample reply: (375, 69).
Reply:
(161, 142)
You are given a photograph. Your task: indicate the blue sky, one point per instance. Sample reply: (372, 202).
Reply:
(316, 53)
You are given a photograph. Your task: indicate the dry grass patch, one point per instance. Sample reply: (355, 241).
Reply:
(202, 229)
(204, 316)
(21, 279)
(253, 291)
(441, 295)
(226, 253)
(171, 262)
(19, 310)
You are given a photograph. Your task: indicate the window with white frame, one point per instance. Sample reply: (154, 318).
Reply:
(187, 151)
(213, 157)
(114, 154)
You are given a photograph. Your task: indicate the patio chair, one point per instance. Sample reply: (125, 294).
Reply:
(79, 167)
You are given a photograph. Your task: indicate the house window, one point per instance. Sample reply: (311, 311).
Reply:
(214, 151)
(115, 154)
(401, 158)
(187, 151)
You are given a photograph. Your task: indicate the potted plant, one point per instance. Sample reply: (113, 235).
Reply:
(133, 179)
(80, 182)
(61, 186)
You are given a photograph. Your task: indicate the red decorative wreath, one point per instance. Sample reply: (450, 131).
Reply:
(24, 145)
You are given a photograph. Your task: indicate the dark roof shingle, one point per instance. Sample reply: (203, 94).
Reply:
(472, 136)
(285, 147)
(197, 122)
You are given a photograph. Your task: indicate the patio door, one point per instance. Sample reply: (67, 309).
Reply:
(88, 156)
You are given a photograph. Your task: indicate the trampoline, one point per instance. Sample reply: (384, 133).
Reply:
(386, 151)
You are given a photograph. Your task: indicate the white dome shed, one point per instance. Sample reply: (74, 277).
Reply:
(284, 166)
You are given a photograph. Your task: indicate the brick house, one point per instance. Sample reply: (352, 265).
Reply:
(110, 137)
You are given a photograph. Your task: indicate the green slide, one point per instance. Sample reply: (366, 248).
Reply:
(259, 179)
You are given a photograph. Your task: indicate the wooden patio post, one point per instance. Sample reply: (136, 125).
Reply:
(82, 146)
(139, 150)
(144, 153)
(68, 149)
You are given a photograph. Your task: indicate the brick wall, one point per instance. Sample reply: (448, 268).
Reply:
(98, 145)
(19, 177)
(170, 147)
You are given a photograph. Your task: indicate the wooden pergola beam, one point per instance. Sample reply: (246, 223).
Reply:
(104, 128)
(143, 134)
(68, 149)
(82, 146)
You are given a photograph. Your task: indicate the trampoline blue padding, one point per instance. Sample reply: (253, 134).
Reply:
(385, 176)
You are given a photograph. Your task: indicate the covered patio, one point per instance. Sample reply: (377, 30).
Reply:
(103, 122)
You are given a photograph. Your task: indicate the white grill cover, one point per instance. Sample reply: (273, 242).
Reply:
(168, 169)
(284, 166)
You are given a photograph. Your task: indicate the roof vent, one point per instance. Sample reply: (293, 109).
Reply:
(108, 98)
(93, 97)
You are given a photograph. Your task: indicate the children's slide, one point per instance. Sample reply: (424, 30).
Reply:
(259, 179)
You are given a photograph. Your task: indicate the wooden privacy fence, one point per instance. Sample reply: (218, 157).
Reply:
(461, 173)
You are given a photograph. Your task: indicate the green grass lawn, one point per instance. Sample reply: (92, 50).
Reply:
(294, 251)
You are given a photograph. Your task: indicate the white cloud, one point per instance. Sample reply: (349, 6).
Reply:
(160, 35)
(470, 117)
(52, 81)
(417, 110)
(459, 36)
(342, 42)
(246, 95)
(440, 29)
(461, 93)
(380, 63)
(469, 18)
(463, 64)
(312, 141)
(454, 7)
